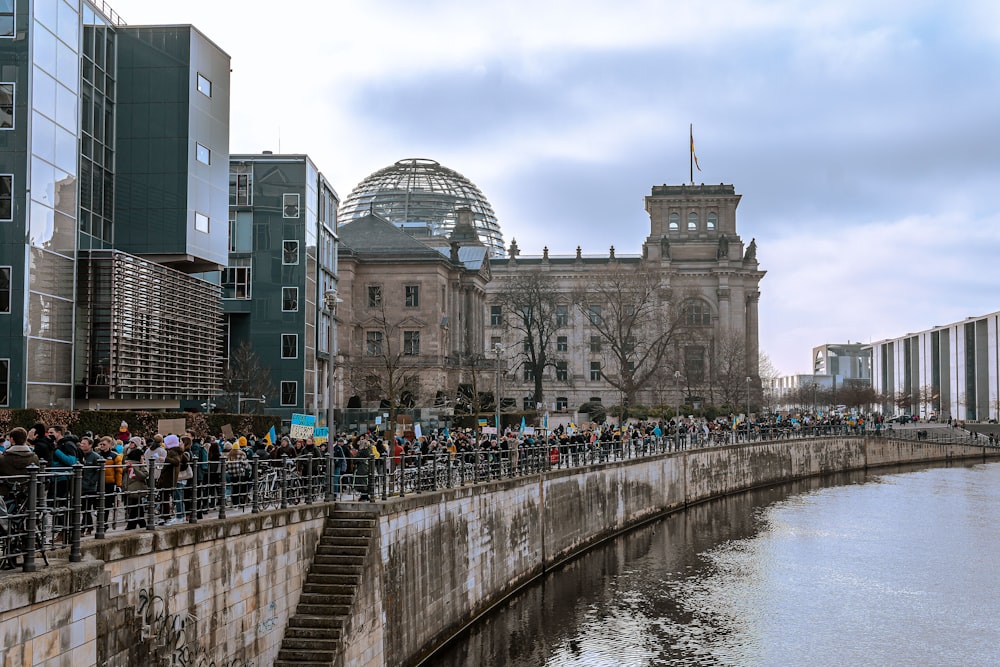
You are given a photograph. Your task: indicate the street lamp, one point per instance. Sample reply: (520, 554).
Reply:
(207, 406)
(498, 349)
(330, 301)
(677, 388)
(748, 402)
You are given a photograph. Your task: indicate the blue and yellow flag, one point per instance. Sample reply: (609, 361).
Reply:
(271, 436)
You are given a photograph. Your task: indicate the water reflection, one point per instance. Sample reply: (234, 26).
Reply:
(848, 569)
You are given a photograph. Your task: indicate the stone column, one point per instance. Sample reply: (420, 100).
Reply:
(724, 315)
(752, 340)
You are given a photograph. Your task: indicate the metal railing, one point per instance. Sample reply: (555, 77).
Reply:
(55, 508)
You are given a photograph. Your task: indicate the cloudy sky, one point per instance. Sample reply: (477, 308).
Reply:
(864, 136)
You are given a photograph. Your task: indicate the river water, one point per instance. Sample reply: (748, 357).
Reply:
(897, 567)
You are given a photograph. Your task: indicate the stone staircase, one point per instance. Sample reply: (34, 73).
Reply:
(315, 632)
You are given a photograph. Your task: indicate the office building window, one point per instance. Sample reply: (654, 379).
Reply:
(496, 316)
(562, 344)
(5, 289)
(240, 180)
(373, 343)
(202, 154)
(594, 313)
(411, 343)
(289, 393)
(562, 371)
(595, 371)
(204, 85)
(6, 104)
(4, 381)
(289, 346)
(236, 282)
(290, 205)
(240, 231)
(595, 344)
(289, 299)
(562, 316)
(374, 296)
(412, 296)
(200, 222)
(289, 252)
(562, 404)
(6, 197)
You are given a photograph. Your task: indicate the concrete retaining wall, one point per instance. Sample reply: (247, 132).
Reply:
(221, 592)
(445, 558)
(216, 593)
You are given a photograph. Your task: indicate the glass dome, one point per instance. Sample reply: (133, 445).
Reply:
(421, 193)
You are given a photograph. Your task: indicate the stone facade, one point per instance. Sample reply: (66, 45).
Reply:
(702, 267)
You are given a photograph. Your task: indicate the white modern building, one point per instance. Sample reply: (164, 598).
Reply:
(951, 370)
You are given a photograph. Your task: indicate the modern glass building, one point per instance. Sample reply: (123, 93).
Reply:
(112, 203)
(422, 196)
(282, 263)
(951, 371)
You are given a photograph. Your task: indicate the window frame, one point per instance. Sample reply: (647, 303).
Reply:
(712, 221)
(5, 382)
(284, 252)
(674, 222)
(562, 315)
(595, 371)
(411, 343)
(562, 404)
(295, 343)
(6, 294)
(203, 228)
(4, 197)
(704, 315)
(201, 89)
(374, 343)
(13, 86)
(295, 391)
(562, 344)
(198, 148)
(693, 220)
(411, 299)
(375, 296)
(594, 313)
(596, 343)
(496, 316)
(562, 371)
(285, 291)
(285, 205)
(234, 273)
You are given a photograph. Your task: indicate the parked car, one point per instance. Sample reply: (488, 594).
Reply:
(932, 418)
(901, 419)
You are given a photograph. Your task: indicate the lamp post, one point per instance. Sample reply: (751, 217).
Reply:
(748, 401)
(330, 301)
(498, 349)
(677, 388)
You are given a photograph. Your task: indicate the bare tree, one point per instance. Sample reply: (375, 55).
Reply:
(731, 369)
(529, 301)
(857, 394)
(638, 324)
(385, 365)
(768, 375)
(245, 376)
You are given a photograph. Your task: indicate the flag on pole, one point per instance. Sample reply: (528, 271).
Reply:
(523, 425)
(271, 436)
(694, 156)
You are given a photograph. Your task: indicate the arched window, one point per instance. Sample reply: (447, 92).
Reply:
(697, 313)
(712, 221)
(675, 222)
(692, 221)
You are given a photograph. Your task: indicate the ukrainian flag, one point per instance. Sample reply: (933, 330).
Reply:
(271, 436)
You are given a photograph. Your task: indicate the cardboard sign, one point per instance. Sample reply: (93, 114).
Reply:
(175, 426)
(227, 431)
(302, 426)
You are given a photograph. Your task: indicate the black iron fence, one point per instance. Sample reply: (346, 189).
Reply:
(56, 508)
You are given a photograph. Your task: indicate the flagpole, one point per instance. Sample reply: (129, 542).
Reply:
(691, 151)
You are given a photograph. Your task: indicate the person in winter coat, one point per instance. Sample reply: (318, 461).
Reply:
(124, 435)
(167, 480)
(39, 439)
(92, 472)
(113, 470)
(65, 455)
(15, 460)
(136, 490)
